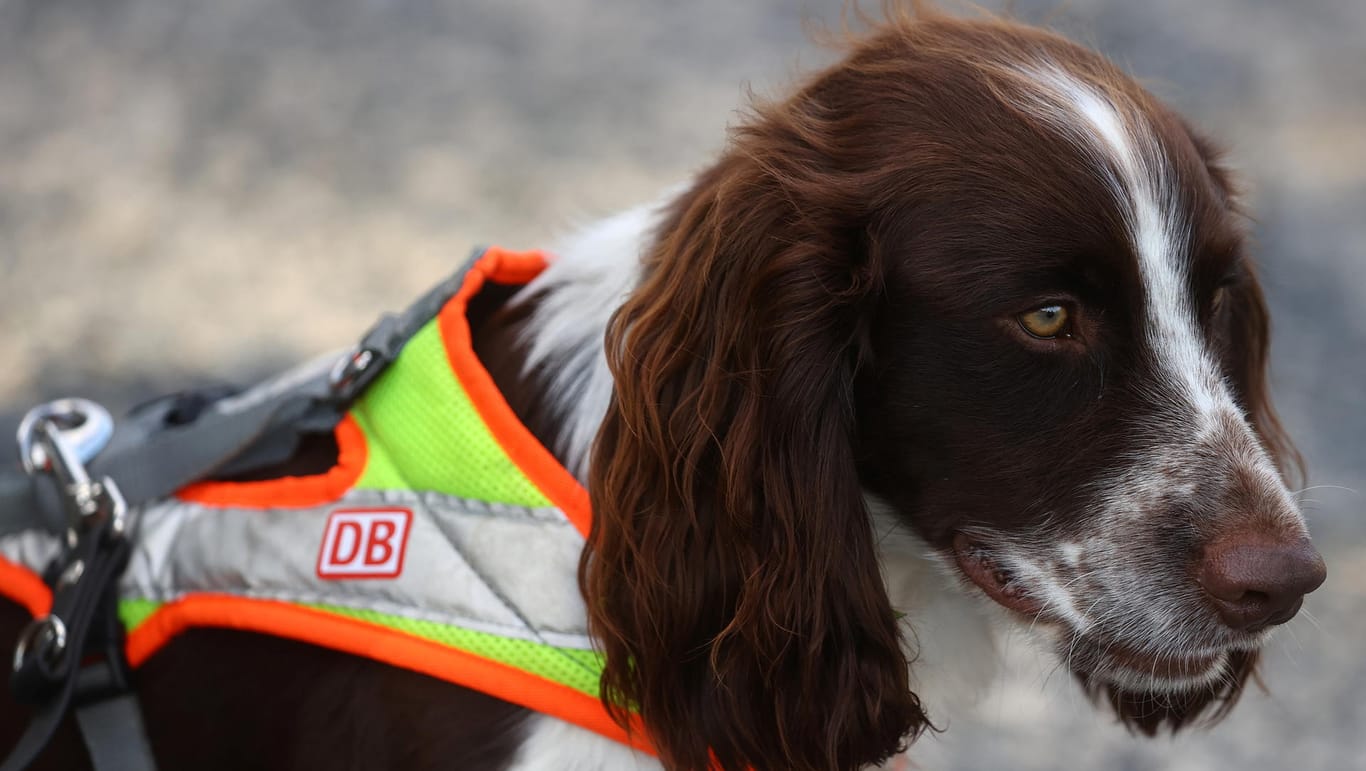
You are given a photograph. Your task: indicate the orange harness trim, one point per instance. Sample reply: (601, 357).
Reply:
(286, 492)
(25, 588)
(534, 460)
(375, 642)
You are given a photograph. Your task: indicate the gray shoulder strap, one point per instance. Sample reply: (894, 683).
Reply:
(150, 460)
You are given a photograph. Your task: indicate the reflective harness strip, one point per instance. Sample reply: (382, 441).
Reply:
(432, 446)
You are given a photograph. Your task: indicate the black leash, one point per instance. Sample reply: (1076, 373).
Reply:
(73, 657)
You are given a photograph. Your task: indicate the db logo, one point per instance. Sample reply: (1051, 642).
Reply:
(364, 543)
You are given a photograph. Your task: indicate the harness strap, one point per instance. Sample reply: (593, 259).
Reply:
(162, 462)
(151, 459)
(106, 705)
(115, 737)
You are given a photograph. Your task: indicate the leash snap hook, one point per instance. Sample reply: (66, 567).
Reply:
(59, 438)
(85, 426)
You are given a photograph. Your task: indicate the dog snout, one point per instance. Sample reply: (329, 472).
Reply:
(1255, 582)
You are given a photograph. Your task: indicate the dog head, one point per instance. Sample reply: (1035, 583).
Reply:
(974, 271)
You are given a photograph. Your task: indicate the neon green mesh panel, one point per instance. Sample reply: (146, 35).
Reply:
(577, 669)
(425, 434)
(133, 612)
(570, 667)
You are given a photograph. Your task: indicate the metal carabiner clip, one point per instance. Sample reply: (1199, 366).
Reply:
(60, 438)
(85, 429)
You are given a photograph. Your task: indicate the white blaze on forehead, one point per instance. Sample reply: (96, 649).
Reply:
(1133, 165)
(1113, 131)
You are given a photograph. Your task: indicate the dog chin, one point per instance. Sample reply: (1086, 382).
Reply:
(1135, 672)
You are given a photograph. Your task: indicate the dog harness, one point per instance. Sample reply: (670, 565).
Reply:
(444, 538)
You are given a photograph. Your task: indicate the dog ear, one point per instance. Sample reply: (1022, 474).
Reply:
(731, 576)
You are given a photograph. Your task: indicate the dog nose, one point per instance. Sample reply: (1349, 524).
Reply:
(1255, 583)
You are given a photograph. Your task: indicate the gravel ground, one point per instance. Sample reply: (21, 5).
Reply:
(195, 191)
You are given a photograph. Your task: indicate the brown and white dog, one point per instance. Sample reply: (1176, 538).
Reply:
(969, 303)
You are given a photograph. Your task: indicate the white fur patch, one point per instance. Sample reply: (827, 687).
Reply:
(1139, 175)
(590, 276)
(949, 629)
(554, 745)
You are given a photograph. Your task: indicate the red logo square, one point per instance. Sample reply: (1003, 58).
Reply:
(364, 543)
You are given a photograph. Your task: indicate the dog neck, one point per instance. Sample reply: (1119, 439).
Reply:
(950, 633)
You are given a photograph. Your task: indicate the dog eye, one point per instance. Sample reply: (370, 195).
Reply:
(1047, 322)
(1216, 302)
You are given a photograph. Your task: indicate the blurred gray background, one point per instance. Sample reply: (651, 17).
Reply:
(196, 191)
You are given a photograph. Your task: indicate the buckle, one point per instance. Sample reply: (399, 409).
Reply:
(351, 372)
(364, 362)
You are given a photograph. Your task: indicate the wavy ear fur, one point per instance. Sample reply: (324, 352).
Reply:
(731, 575)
